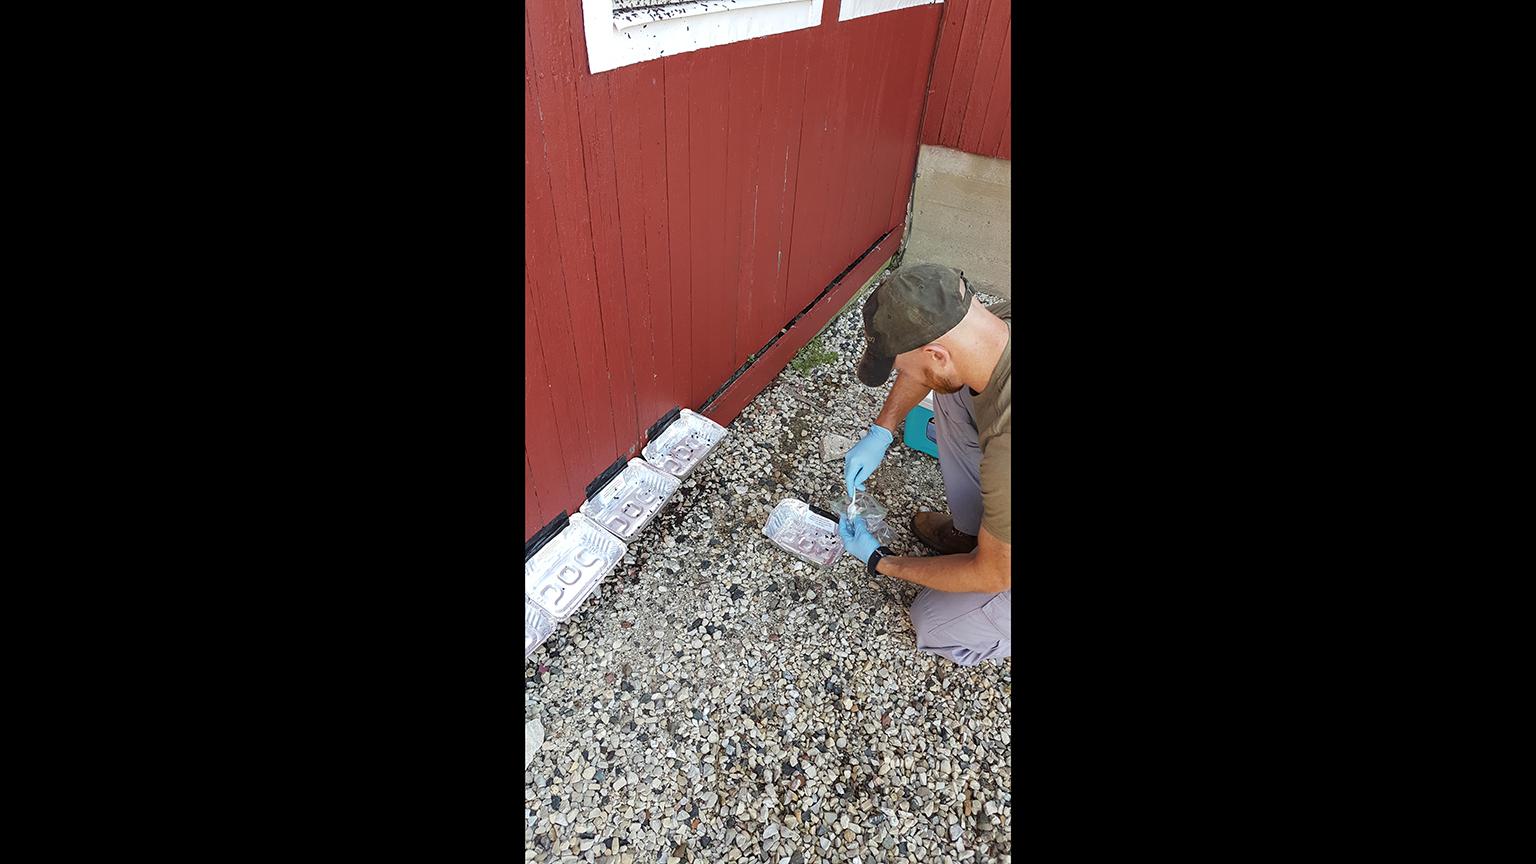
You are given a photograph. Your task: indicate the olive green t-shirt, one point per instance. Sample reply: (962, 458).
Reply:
(993, 408)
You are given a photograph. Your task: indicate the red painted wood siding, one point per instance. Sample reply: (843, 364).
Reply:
(680, 212)
(971, 96)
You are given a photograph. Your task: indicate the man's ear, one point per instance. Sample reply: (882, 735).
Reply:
(937, 352)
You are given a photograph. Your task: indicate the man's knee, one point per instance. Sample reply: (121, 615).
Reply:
(931, 609)
(958, 626)
(922, 616)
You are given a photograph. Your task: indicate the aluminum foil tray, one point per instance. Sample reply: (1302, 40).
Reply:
(628, 502)
(684, 443)
(537, 625)
(563, 574)
(803, 532)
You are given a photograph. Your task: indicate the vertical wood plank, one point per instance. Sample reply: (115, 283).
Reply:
(792, 79)
(944, 67)
(749, 125)
(988, 63)
(835, 169)
(531, 506)
(1005, 149)
(745, 130)
(825, 121)
(677, 75)
(875, 177)
(555, 88)
(965, 69)
(999, 102)
(841, 225)
(707, 142)
(861, 60)
(630, 166)
(810, 200)
(546, 286)
(607, 246)
(761, 186)
(541, 422)
(652, 110)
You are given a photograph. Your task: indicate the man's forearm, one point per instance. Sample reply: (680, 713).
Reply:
(904, 396)
(955, 573)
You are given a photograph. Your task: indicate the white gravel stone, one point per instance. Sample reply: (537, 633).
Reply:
(834, 447)
(533, 739)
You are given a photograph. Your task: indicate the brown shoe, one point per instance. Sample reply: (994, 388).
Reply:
(937, 531)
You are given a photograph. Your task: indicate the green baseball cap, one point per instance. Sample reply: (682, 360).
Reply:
(915, 306)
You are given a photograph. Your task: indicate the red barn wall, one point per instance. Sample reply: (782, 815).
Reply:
(681, 211)
(970, 100)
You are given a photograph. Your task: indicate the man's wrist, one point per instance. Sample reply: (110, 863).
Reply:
(876, 557)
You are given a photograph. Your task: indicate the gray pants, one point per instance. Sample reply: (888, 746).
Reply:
(966, 628)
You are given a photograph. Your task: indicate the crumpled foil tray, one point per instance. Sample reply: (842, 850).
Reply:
(565, 572)
(628, 502)
(537, 625)
(685, 443)
(806, 532)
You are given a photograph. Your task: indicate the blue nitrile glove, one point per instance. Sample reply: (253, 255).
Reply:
(864, 458)
(856, 537)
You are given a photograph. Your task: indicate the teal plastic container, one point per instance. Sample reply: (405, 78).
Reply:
(921, 430)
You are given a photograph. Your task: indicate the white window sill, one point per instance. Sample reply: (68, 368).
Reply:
(851, 9)
(623, 19)
(620, 37)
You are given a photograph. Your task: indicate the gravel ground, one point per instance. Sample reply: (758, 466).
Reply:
(719, 700)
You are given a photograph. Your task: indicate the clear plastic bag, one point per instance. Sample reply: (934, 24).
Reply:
(865, 506)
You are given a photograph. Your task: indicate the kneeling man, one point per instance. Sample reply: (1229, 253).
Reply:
(927, 323)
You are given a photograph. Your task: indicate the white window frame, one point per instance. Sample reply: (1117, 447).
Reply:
(859, 8)
(648, 34)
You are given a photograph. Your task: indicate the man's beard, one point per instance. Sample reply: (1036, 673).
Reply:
(939, 384)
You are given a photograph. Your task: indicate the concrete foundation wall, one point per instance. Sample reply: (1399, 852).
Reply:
(962, 216)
